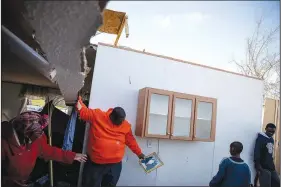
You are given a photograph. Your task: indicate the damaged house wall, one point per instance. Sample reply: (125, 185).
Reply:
(52, 22)
(137, 70)
(66, 173)
(11, 104)
(16, 70)
(58, 31)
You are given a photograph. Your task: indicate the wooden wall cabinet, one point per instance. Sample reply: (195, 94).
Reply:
(176, 116)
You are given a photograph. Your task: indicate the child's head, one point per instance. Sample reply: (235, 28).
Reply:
(236, 148)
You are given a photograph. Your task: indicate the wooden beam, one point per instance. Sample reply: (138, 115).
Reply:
(120, 30)
(51, 169)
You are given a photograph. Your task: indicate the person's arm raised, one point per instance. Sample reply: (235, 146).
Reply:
(84, 112)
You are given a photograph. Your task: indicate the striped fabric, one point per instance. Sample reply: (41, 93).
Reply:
(31, 124)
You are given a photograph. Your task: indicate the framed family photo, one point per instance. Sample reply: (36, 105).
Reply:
(151, 162)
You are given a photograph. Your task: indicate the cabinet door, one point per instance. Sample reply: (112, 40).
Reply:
(182, 116)
(141, 112)
(205, 119)
(158, 113)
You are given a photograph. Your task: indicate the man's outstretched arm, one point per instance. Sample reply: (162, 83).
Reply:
(84, 112)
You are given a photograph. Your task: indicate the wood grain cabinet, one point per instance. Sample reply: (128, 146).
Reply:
(176, 116)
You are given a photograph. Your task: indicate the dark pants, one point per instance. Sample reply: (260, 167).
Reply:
(96, 175)
(269, 179)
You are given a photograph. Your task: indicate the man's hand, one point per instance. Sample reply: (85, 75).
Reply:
(141, 156)
(258, 168)
(79, 103)
(258, 173)
(80, 157)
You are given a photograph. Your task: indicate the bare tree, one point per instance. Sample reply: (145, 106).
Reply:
(262, 59)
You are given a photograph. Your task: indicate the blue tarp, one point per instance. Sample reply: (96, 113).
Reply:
(69, 132)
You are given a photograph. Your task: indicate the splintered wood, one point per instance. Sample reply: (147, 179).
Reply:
(112, 21)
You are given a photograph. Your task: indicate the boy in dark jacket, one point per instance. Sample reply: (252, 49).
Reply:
(233, 171)
(263, 158)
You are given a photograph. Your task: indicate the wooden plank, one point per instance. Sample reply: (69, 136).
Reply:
(141, 111)
(269, 112)
(112, 21)
(120, 30)
(176, 60)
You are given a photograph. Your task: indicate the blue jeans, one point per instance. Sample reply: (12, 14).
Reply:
(97, 175)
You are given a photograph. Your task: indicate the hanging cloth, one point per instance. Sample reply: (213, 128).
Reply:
(69, 132)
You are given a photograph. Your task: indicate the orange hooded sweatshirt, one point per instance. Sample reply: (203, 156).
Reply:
(106, 141)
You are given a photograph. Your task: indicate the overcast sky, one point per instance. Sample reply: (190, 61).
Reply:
(210, 33)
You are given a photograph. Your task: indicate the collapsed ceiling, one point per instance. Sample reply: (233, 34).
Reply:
(55, 34)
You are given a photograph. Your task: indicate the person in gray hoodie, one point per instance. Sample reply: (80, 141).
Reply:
(263, 158)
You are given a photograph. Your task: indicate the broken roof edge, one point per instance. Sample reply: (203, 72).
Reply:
(175, 59)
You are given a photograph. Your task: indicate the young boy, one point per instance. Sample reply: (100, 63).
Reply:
(233, 171)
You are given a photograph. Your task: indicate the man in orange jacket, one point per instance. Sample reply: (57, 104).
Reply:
(109, 134)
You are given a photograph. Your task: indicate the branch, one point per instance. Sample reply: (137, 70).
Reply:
(266, 41)
(240, 67)
(259, 59)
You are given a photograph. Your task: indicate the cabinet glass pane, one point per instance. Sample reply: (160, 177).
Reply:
(204, 120)
(158, 114)
(182, 117)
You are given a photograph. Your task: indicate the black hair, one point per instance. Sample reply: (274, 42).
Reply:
(119, 112)
(117, 115)
(236, 148)
(270, 125)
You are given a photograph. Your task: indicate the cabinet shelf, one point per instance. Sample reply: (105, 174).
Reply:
(175, 116)
(182, 117)
(154, 113)
(204, 119)
(164, 114)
